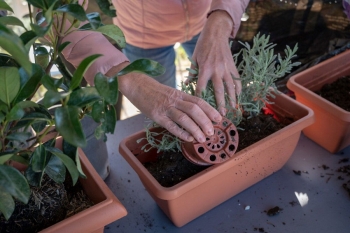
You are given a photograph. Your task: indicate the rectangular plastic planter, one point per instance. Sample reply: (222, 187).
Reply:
(198, 194)
(331, 129)
(106, 210)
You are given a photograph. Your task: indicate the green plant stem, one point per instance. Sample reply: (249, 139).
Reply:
(31, 21)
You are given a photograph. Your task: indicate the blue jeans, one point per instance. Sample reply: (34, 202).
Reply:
(164, 55)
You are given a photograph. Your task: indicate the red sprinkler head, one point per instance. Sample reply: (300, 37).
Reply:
(217, 148)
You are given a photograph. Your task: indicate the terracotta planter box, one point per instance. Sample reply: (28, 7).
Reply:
(331, 129)
(194, 196)
(107, 207)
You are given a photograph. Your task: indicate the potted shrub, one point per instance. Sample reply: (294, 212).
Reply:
(331, 129)
(212, 185)
(41, 140)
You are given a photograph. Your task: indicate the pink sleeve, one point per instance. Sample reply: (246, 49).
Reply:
(86, 43)
(235, 8)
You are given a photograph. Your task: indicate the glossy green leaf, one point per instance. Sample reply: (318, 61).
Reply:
(111, 119)
(72, 152)
(19, 136)
(104, 6)
(29, 83)
(39, 159)
(14, 46)
(37, 117)
(97, 112)
(10, 84)
(40, 122)
(78, 164)
(99, 132)
(53, 97)
(69, 126)
(107, 87)
(7, 204)
(66, 74)
(115, 33)
(94, 20)
(4, 158)
(18, 111)
(63, 46)
(48, 12)
(146, 66)
(13, 182)
(42, 60)
(56, 170)
(21, 159)
(80, 71)
(28, 38)
(83, 96)
(11, 20)
(33, 178)
(75, 10)
(5, 6)
(68, 162)
(50, 83)
(40, 30)
(7, 60)
(69, 149)
(38, 3)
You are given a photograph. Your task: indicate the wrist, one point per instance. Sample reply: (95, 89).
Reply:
(221, 22)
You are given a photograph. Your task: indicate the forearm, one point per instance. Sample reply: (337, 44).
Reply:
(87, 43)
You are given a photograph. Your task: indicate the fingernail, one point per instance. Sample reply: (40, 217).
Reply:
(210, 132)
(223, 112)
(201, 139)
(190, 139)
(218, 118)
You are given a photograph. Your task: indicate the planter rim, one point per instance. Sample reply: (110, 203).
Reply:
(108, 210)
(294, 85)
(169, 193)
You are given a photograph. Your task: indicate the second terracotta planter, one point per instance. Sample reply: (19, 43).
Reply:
(106, 210)
(198, 194)
(331, 129)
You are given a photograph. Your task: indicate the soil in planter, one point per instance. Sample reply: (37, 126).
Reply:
(337, 92)
(171, 168)
(47, 205)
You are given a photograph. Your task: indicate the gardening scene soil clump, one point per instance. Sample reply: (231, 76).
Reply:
(171, 168)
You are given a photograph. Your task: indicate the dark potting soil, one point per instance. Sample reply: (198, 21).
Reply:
(337, 92)
(49, 204)
(171, 168)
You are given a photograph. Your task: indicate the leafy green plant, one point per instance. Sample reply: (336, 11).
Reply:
(25, 124)
(259, 68)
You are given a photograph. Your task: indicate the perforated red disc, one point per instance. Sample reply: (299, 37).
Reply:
(217, 148)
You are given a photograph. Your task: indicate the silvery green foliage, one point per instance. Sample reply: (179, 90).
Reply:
(259, 68)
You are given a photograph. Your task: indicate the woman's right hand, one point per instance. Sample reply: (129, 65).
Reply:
(185, 116)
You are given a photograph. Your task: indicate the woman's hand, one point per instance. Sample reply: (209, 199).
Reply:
(185, 116)
(214, 59)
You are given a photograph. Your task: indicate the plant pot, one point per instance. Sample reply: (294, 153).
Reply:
(198, 194)
(331, 129)
(107, 207)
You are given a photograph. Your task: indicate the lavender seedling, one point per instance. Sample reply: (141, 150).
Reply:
(259, 68)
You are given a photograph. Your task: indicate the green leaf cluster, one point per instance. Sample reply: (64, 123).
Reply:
(27, 125)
